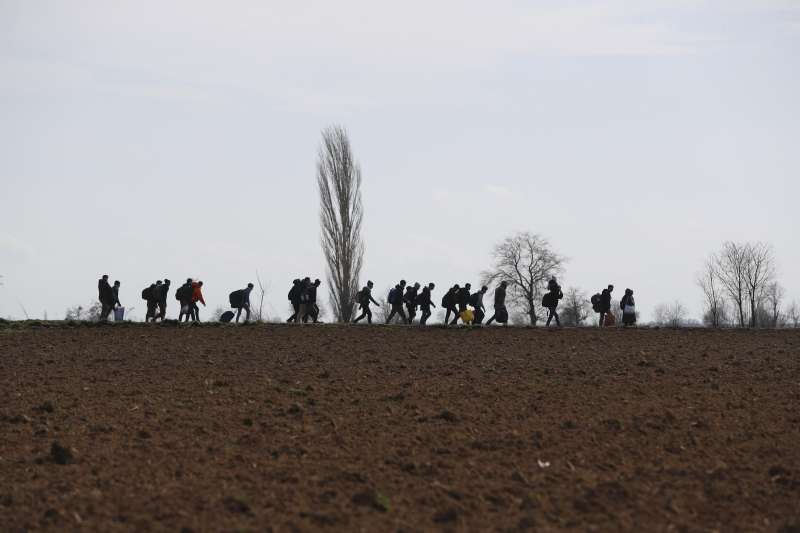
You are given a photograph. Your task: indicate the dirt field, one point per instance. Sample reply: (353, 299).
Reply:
(281, 428)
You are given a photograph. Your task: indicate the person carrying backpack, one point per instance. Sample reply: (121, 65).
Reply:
(476, 301)
(364, 297)
(396, 301)
(604, 307)
(449, 303)
(550, 301)
(312, 310)
(628, 306)
(241, 300)
(425, 303)
(410, 299)
(184, 296)
(106, 297)
(149, 296)
(294, 299)
(500, 311)
(462, 299)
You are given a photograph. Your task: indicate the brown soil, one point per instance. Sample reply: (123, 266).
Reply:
(398, 429)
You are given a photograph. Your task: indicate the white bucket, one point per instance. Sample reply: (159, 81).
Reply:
(119, 314)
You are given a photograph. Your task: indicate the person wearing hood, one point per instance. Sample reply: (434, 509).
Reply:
(628, 306)
(294, 299)
(312, 309)
(500, 311)
(550, 301)
(462, 299)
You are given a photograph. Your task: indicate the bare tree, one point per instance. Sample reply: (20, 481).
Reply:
(773, 299)
(340, 214)
(526, 262)
(258, 310)
(793, 315)
(759, 272)
(576, 307)
(88, 313)
(714, 314)
(730, 265)
(670, 315)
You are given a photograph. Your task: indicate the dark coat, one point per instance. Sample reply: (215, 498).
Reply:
(105, 294)
(605, 301)
(499, 297)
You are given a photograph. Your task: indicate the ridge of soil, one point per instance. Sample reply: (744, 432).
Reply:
(298, 428)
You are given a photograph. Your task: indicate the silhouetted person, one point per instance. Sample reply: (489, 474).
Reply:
(106, 297)
(302, 298)
(550, 301)
(628, 306)
(294, 299)
(500, 311)
(162, 299)
(449, 303)
(150, 296)
(115, 289)
(312, 310)
(425, 303)
(197, 296)
(244, 303)
(605, 304)
(364, 298)
(462, 299)
(410, 299)
(396, 301)
(184, 296)
(476, 301)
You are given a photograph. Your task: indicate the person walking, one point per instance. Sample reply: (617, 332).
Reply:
(312, 310)
(476, 301)
(115, 290)
(628, 306)
(410, 299)
(197, 296)
(244, 303)
(364, 298)
(396, 301)
(150, 296)
(550, 301)
(500, 311)
(462, 299)
(163, 292)
(425, 303)
(449, 303)
(106, 297)
(302, 300)
(294, 299)
(606, 318)
(184, 296)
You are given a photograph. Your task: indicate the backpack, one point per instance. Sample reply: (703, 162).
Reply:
(473, 299)
(596, 302)
(392, 299)
(547, 299)
(361, 296)
(226, 317)
(147, 294)
(180, 294)
(293, 292)
(236, 298)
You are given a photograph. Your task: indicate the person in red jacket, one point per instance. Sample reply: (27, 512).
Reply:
(197, 296)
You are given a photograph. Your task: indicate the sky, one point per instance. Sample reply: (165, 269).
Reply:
(177, 139)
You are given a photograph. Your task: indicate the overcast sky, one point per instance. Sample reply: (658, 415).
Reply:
(153, 138)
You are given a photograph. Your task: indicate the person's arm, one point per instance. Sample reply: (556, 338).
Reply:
(373, 300)
(201, 299)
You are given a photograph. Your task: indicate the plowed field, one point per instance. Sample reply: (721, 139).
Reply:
(359, 428)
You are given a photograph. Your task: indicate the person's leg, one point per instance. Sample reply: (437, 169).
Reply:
(555, 314)
(301, 312)
(402, 313)
(600, 321)
(368, 311)
(479, 314)
(391, 314)
(315, 313)
(488, 322)
(238, 314)
(550, 312)
(455, 315)
(426, 312)
(196, 312)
